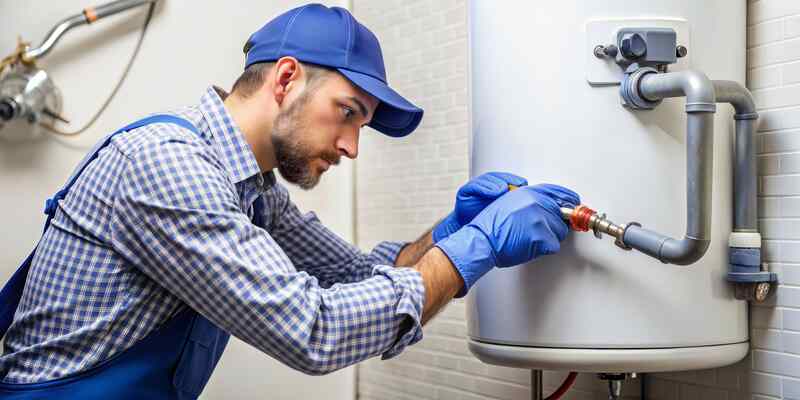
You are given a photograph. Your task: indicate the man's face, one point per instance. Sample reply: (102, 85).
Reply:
(319, 127)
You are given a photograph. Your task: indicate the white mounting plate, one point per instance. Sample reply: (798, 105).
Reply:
(604, 71)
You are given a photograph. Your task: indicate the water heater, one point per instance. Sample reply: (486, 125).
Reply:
(616, 100)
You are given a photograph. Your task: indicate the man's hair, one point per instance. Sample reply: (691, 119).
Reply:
(254, 76)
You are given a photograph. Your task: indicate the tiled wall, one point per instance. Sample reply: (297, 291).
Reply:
(404, 185)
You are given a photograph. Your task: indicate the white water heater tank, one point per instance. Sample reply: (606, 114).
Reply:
(545, 107)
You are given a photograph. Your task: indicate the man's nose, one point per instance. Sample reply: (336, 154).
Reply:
(348, 145)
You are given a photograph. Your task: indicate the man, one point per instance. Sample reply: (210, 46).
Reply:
(173, 233)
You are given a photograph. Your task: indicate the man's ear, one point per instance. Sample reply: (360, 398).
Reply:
(287, 77)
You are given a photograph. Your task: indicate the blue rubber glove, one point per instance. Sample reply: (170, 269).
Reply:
(563, 196)
(518, 227)
(472, 198)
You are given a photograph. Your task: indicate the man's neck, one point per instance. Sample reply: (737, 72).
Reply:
(254, 127)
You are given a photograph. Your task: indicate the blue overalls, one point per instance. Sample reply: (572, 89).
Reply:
(173, 362)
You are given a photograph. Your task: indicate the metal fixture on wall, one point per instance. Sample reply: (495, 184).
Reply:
(28, 93)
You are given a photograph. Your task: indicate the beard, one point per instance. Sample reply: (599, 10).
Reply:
(294, 157)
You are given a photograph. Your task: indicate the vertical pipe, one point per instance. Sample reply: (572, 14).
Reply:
(700, 169)
(746, 269)
(744, 185)
(537, 390)
(745, 216)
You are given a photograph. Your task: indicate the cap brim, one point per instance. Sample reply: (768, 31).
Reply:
(395, 116)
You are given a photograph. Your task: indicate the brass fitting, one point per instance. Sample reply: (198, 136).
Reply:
(585, 219)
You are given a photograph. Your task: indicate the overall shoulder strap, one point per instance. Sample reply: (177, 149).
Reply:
(50, 204)
(12, 291)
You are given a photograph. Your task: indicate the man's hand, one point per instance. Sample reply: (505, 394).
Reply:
(519, 227)
(472, 198)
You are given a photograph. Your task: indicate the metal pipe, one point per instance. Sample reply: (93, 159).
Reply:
(700, 108)
(745, 217)
(54, 35)
(694, 85)
(537, 389)
(118, 6)
(87, 16)
(592, 221)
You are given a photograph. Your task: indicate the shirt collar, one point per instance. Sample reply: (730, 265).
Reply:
(236, 153)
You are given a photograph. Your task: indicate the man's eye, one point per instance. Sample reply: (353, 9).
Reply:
(348, 112)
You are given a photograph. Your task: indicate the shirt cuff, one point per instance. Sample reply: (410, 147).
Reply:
(386, 252)
(410, 291)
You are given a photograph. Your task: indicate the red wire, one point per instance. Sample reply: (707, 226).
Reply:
(564, 386)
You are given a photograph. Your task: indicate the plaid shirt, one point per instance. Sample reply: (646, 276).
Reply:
(164, 219)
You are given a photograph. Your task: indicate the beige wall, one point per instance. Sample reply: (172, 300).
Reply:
(189, 45)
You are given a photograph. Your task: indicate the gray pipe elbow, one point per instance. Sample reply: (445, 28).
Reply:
(694, 85)
(685, 251)
(698, 88)
(738, 96)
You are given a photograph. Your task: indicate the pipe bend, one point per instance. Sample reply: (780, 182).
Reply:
(683, 252)
(53, 36)
(65, 25)
(697, 87)
(738, 96)
(694, 85)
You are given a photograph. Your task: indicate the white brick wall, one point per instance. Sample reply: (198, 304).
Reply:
(403, 185)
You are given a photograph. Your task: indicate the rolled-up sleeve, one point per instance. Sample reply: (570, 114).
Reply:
(177, 219)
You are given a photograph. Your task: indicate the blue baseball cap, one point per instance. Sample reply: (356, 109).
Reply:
(331, 37)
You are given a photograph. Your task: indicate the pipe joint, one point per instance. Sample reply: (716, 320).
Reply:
(697, 87)
(630, 89)
(701, 108)
(746, 116)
